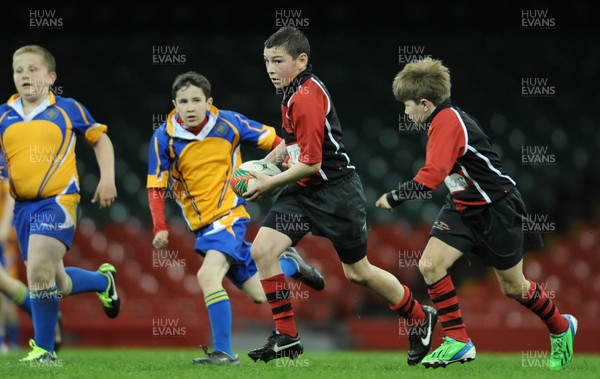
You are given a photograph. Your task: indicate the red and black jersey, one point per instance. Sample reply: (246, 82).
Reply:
(312, 130)
(460, 154)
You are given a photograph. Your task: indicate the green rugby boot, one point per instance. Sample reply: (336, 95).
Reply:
(451, 351)
(109, 298)
(38, 355)
(562, 346)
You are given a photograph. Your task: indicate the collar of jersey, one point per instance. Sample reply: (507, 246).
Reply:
(441, 106)
(179, 131)
(17, 105)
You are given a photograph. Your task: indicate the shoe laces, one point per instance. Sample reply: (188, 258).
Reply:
(105, 300)
(36, 351)
(447, 341)
(105, 296)
(444, 346)
(205, 349)
(557, 346)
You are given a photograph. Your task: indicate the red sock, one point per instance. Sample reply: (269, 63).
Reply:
(409, 308)
(538, 302)
(444, 296)
(278, 296)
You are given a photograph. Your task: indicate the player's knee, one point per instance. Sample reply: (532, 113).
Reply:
(261, 252)
(427, 267)
(63, 285)
(356, 276)
(512, 290)
(206, 279)
(40, 276)
(200, 277)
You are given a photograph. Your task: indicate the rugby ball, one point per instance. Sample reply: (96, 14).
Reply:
(241, 181)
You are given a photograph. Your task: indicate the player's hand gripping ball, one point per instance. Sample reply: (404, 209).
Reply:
(241, 180)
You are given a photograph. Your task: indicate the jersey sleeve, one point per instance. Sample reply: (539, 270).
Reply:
(447, 141)
(308, 115)
(156, 202)
(255, 133)
(158, 160)
(84, 124)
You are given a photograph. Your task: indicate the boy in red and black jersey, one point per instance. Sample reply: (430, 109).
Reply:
(323, 195)
(307, 103)
(484, 214)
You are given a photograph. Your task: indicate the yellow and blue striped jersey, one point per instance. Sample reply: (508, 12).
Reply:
(40, 147)
(200, 166)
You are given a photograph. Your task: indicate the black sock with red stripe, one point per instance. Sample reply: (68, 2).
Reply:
(443, 294)
(278, 296)
(536, 299)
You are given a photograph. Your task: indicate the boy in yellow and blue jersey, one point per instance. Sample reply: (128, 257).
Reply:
(37, 134)
(198, 148)
(10, 285)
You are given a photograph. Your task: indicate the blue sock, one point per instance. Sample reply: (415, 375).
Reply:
(85, 281)
(219, 312)
(13, 333)
(288, 266)
(44, 313)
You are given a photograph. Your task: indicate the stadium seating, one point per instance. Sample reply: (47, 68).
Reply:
(152, 294)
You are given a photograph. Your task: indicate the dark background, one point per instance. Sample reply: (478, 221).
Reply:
(106, 60)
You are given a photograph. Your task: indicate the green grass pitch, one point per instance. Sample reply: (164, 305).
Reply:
(176, 363)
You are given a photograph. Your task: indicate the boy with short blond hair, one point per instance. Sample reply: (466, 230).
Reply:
(484, 214)
(37, 133)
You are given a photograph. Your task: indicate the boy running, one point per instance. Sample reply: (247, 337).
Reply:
(484, 214)
(198, 148)
(324, 195)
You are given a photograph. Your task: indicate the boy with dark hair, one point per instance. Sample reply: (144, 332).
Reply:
(484, 214)
(198, 147)
(324, 195)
